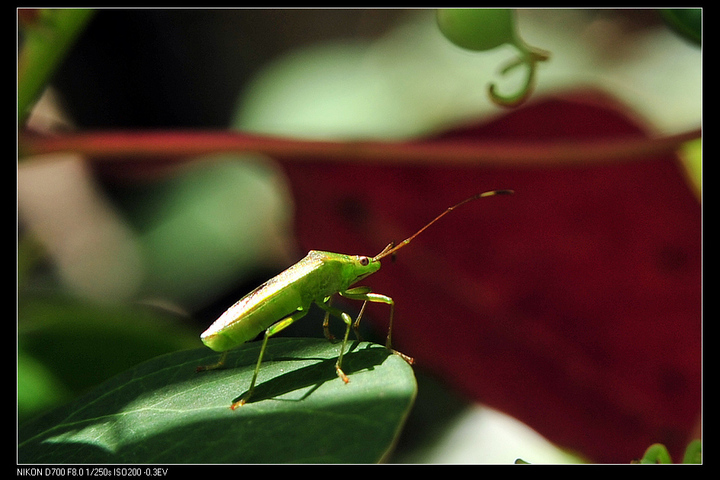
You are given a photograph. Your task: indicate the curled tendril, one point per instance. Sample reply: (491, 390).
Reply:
(529, 56)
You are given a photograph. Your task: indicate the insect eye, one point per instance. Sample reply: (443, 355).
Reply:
(364, 261)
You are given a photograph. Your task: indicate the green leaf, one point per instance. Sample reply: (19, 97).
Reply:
(162, 411)
(45, 44)
(69, 346)
(656, 453)
(36, 387)
(685, 21)
(691, 157)
(693, 452)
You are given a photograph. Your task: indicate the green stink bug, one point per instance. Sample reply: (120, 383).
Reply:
(289, 295)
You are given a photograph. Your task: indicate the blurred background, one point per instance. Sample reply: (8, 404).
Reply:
(120, 264)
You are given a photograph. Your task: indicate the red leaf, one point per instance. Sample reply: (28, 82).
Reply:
(573, 305)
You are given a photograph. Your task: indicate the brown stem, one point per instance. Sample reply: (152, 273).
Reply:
(162, 145)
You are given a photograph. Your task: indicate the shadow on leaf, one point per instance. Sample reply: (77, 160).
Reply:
(316, 374)
(162, 411)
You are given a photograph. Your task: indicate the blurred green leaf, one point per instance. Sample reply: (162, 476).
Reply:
(68, 345)
(693, 453)
(162, 411)
(208, 226)
(691, 157)
(37, 387)
(656, 453)
(685, 21)
(45, 41)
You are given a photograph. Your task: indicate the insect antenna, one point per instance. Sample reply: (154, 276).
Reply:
(392, 247)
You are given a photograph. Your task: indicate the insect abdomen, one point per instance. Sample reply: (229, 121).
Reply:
(310, 280)
(247, 318)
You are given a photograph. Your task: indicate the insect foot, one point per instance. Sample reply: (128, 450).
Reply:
(215, 366)
(341, 374)
(408, 359)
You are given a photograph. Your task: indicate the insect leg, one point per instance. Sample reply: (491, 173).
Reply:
(219, 364)
(272, 330)
(364, 293)
(326, 322)
(356, 325)
(325, 305)
(326, 325)
(356, 293)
